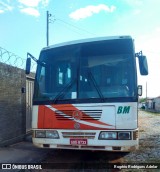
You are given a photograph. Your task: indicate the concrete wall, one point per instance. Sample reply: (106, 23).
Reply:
(12, 104)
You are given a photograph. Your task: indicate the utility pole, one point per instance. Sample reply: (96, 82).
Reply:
(146, 90)
(146, 97)
(48, 19)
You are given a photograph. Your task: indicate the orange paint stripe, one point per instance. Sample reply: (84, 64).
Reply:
(64, 108)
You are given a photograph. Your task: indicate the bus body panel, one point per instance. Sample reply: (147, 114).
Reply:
(88, 123)
(88, 116)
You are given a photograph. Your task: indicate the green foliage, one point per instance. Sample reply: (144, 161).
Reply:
(141, 100)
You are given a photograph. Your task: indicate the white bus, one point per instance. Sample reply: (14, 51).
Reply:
(86, 95)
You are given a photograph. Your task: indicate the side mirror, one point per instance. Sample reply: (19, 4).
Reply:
(143, 66)
(140, 90)
(28, 65)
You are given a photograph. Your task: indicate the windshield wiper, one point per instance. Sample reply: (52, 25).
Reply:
(96, 86)
(63, 91)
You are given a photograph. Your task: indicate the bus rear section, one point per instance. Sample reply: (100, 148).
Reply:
(86, 95)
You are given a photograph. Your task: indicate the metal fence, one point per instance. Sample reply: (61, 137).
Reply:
(14, 60)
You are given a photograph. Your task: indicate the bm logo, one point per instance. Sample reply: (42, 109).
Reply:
(123, 109)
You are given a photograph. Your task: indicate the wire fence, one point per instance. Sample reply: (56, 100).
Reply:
(14, 60)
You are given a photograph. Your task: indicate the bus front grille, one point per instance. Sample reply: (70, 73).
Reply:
(84, 135)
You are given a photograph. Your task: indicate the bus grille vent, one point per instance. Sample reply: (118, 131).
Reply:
(84, 135)
(86, 115)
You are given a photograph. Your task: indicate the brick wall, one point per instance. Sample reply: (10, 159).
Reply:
(12, 105)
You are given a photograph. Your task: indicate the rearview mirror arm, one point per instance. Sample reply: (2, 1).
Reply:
(32, 57)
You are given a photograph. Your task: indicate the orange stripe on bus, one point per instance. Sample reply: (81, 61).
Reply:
(65, 107)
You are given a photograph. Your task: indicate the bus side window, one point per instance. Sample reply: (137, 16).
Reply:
(60, 77)
(42, 80)
(64, 74)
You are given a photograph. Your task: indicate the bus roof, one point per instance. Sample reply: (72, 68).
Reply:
(86, 40)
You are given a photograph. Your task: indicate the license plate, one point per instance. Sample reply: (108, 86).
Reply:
(78, 141)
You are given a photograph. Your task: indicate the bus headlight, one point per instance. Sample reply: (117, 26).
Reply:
(124, 135)
(52, 134)
(108, 135)
(113, 135)
(40, 134)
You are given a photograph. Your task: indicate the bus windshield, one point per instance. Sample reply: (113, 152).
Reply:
(94, 70)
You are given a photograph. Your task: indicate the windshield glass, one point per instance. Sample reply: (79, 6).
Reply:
(96, 70)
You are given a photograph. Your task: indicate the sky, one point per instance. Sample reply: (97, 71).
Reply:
(23, 27)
